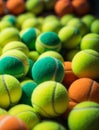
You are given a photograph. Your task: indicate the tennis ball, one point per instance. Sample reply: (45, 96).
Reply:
(65, 18)
(22, 17)
(83, 89)
(80, 7)
(50, 17)
(2, 7)
(54, 70)
(15, 7)
(95, 26)
(84, 116)
(88, 20)
(29, 36)
(78, 23)
(18, 45)
(26, 114)
(3, 111)
(8, 35)
(70, 54)
(69, 76)
(27, 89)
(4, 25)
(50, 99)
(48, 41)
(31, 63)
(11, 91)
(69, 36)
(63, 7)
(8, 122)
(49, 4)
(35, 6)
(10, 18)
(53, 26)
(53, 54)
(49, 125)
(33, 55)
(31, 23)
(14, 62)
(90, 41)
(85, 64)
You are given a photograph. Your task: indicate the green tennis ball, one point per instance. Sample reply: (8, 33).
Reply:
(95, 26)
(50, 99)
(48, 41)
(22, 17)
(27, 89)
(3, 112)
(54, 54)
(14, 62)
(78, 23)
(18, 45)
(53, 26)
(84, 116)
(88, 20)
(90, 41)
(35, 6)
(26, 114)
(29, 36)
(8, 35)
(49, 125)
(66, 18)
(31, 23)
(10, 91)
(31, 63)
(47, 68)
(33, 55)
(50, 17)
(10, 18)
(4, 25)
(86, 63)
(69, 36)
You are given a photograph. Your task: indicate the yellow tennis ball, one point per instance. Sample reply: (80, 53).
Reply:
(26, 114)
(50, 99)
(49, 125)
(3, 111)
(14, 62)
(8, 35)
(10, 91)
(33, 55)
(16, 45)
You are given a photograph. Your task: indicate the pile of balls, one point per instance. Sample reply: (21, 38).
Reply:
(49, 65)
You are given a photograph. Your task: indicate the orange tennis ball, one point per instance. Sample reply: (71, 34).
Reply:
(15, 6)
(8, 122)
(81, 7)
(63, 7)
(2, 7)
(69, 76)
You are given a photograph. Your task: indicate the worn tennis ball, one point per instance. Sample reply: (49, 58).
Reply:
(29, 36)
(54, 54)
(90, 41)
(14, 62)
(48, 41)
(26, 114)
(49, 125)
(11, 91)
(18, 45)
(8, 35)
(52, 69)
(70, 37)
(95, 26)
(84, 116)
(50, 99)
(8, 122)
(85, 64)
